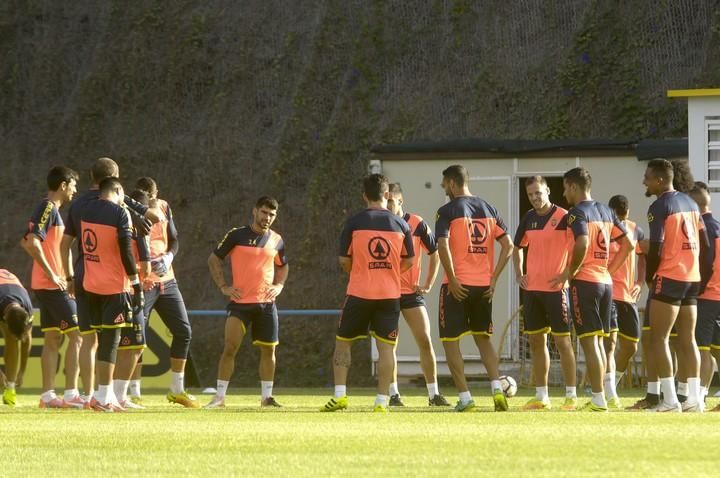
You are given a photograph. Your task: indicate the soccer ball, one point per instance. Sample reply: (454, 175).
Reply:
(508, 386)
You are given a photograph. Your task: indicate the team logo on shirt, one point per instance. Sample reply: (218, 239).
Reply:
(89, 241)
(478, 236)
(602, 244)
(379, 249)
(689, 234)
(571, 219)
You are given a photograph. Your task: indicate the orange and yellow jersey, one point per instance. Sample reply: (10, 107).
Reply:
(47, 225)
(472, 226)
(545, 237)
(625, 278)
(599, 223)
(422, 238)
(159, 236)
(102, 225)
(12, 291)
(376, 240)
(712, 288)
(675, 223)
(253, 258)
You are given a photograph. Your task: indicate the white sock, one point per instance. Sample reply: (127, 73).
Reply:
(570, 392)
(394, 389)
(667, 386)
(120, 388)
(222, 386)
(653, 387)
(464, 397)
(381, 400)
(177, 382)
(495, 385)
(609, 383)
(47, 396)
(102, 394)
(88, 397)
(694, 394)
(598, 399)
(266, 389)
(11, 385)
(541, 393)
(134, 388)
(433, 389)
(340, 391)
(618, 376)
(704, 392)
(70, 394)
(682, 389)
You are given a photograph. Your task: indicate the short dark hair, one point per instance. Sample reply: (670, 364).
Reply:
(109, 184)
(394, 188)
(683, 179)
(18, 320)
(268, 202)
(58, 175)
(580, 177)
(141, 196)
(374, 186)
(457, 174)
(535, 179)
(619, 204)
(700, 194)
(147, 184)
(661, 168)
(103, 168)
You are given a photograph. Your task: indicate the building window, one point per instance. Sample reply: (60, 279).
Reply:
(712, 151)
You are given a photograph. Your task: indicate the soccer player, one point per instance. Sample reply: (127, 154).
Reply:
(58, 313)
(624, 318)
(143, 217)
(259, 270)
(16, 322)
(707, 329)
(677, 240)
(412, 302)
(593, 226)
(162, 294)
(109, 275)
(543, 231)
(467, 228)
(376, 247)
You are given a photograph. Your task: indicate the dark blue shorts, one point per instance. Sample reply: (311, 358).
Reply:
(57, 311)
(625, 320)
(133, 338)
(674, 292)
(546, 312)
(471, 316)
(376, 317)
(109, 311)
(411, 301)
(591, 303)
(261, 319)
(708, 323)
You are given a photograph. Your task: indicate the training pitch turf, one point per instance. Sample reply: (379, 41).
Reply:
(297, 440)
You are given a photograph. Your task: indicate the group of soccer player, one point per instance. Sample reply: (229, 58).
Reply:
(581, 269)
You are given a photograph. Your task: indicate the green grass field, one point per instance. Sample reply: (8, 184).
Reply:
(297, 440)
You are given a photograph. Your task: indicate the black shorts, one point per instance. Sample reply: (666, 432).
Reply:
(471, 316)
(411, 301)
(361, 317)
(591, 303)
(708, 323)
(546, 312)
(261, 319)
(57, 311)
(133, 338)
(646, 319)
(625, 320)
(109, 311)
(674, 292)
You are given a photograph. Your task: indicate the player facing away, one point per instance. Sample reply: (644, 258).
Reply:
(376, 247)
(163, 295)
(707, 329)
(16, 323)
(677, 241)
(110, 274)
(624, 318)
(543, 231)
(412, 302)
(593, 226)
(467, 228)
(259, 271)
(58, 312)
(142, 218)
